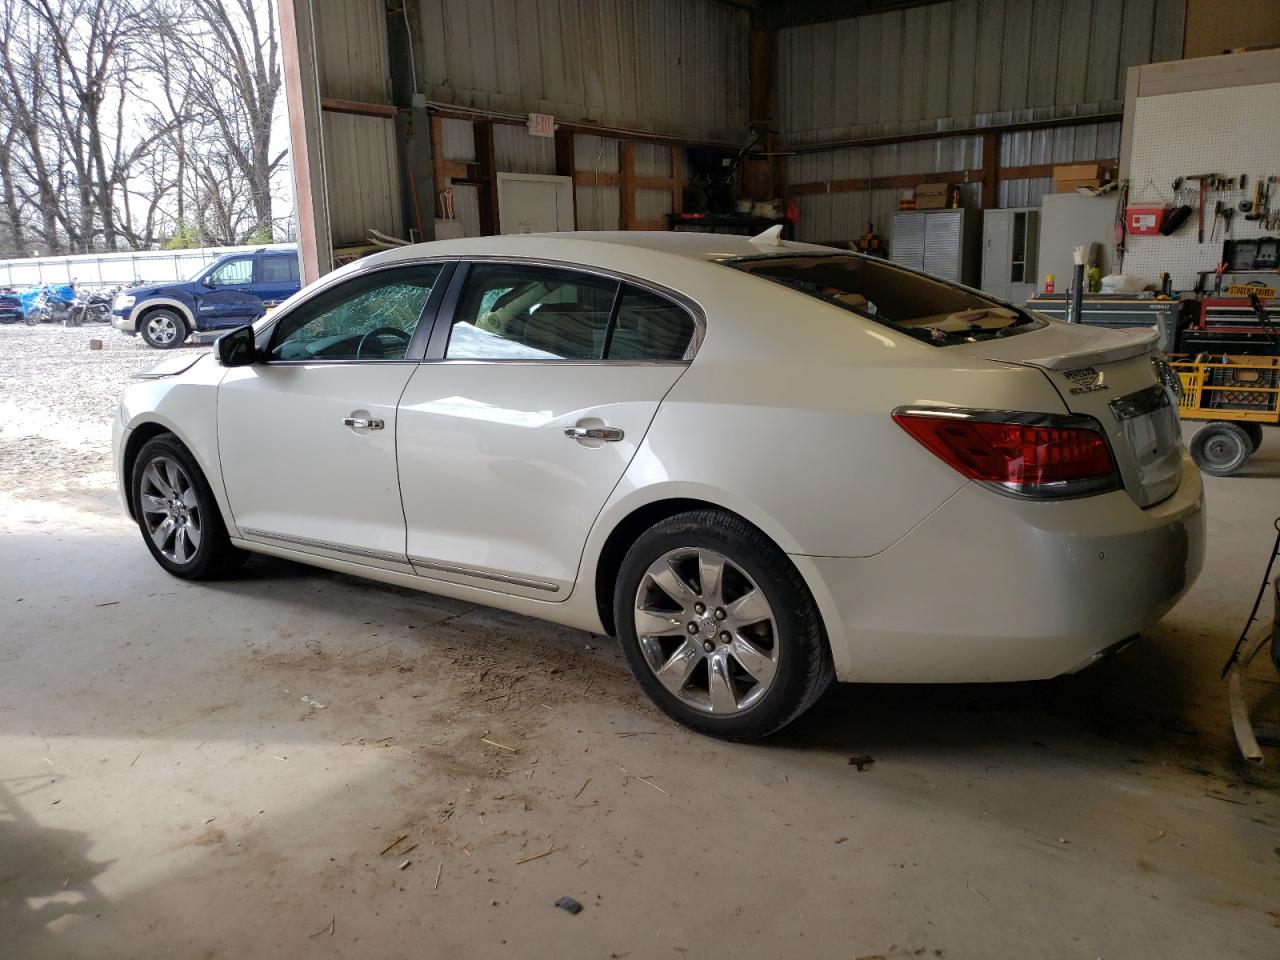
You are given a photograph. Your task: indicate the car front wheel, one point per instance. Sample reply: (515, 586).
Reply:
(178, 515)
(163, 329)
(718, 626)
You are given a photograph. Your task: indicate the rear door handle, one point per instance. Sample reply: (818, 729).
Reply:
(361, 423)
(607, 434)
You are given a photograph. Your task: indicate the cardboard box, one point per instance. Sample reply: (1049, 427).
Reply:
(932, 196)
(1071, 175)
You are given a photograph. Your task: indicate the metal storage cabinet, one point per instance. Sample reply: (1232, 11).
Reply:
(944, 243)
(1010, 240)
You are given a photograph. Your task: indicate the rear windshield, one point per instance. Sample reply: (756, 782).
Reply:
(930, 310)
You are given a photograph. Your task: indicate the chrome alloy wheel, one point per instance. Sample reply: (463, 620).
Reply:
(162, 329)
(170, 509)
(706, 631)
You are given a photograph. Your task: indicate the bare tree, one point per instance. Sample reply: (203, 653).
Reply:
(127, 122)
(230, 75)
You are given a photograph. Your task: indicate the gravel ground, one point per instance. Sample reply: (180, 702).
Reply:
(57, 398)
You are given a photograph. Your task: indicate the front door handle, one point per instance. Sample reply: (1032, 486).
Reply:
(362, 423)
(607, 434)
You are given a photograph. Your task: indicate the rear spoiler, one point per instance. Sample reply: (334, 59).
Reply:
(1143, 341)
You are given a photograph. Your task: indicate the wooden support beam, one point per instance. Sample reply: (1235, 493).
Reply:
(899, 182)
(627, 186)
(990, 171)
(357, 107)
(590, 178)
(677, 181)
(488, 176)
(908, 180)
(566, 165)
(439, 177)
(761, 175)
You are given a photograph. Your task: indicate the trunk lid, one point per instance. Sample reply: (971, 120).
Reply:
(1112, 376)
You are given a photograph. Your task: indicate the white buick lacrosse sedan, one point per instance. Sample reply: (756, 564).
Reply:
(761, 465)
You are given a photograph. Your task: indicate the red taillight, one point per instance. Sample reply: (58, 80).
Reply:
(1044, 458)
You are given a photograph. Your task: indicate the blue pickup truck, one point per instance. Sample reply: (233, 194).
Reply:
(230, 292)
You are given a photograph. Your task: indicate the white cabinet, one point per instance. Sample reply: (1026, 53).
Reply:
(940, 242)
(1010, 241)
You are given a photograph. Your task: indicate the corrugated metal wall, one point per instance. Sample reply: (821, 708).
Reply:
(665, 66)
(361, 162)
(363, 177)
(954, 65)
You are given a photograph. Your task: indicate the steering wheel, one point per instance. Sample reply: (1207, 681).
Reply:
(378, 332)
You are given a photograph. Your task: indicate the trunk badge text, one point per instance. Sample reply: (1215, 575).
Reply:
(1087, 380)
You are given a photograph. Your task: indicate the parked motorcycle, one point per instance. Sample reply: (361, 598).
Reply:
(92, 307)
(52, 305)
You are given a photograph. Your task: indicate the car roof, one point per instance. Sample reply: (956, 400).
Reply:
(589, 246)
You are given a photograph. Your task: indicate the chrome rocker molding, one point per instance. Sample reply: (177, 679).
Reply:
(418, 563)
(397, 558)
(459, 570)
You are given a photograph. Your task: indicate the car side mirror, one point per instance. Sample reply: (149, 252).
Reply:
(238, 348)
(208, 280)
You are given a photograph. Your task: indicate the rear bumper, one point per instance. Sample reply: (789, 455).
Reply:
(989, 588)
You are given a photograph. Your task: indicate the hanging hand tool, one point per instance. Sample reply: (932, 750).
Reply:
(1217, 214)
(1205, 180)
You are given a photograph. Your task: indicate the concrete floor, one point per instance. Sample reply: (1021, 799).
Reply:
(214, 770)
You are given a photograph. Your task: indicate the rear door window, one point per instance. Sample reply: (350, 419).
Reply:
(649, 327)
(279, 269)
(928, 309)
(530, 312)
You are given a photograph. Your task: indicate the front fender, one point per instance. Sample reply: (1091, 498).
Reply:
(185, 406)
(185, 310)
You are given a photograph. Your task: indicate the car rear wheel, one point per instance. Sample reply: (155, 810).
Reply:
(178, 515)
(718, 626)
(163, 329)
(1221, 448)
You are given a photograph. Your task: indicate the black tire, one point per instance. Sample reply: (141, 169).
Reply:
(1221, 448)
(1254, 432)
(804, 668)
(153, 322)
(214, 557)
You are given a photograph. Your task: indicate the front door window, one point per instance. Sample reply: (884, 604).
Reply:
(235, 272)
(370, 317)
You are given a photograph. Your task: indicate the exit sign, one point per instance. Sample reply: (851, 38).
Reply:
(542, 125)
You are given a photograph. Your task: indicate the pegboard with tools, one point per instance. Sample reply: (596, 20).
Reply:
(1185, 155)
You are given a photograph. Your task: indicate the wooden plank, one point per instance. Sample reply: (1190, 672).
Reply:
(627, 184)
(357, 107)
(460, 169)
(587, 178)
(649, 225)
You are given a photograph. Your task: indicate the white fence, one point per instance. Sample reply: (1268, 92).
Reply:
(123, 268)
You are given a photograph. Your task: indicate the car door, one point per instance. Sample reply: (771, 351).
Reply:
(277, 279)
(226, 297)
(539, 385)
(306, 438)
